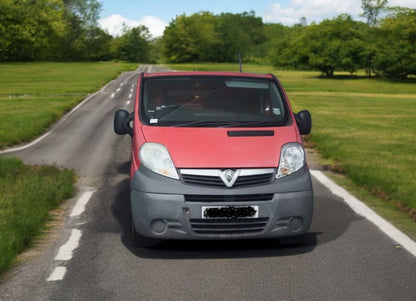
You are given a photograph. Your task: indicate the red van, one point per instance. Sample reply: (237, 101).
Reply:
(216, 155)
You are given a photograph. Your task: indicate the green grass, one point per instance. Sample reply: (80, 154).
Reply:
(28, 193)
(57, 78)
(22, 119)
(34, 95)
(371, 139)
(363, 128)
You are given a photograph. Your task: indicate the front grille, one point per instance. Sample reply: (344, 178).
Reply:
(203, 180)
(228, 226)
(212, 178)
(197, 198)
(253, 180)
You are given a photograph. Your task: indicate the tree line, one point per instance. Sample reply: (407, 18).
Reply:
(64, 30)
(67, 30)
(386, 49)
(385, 45)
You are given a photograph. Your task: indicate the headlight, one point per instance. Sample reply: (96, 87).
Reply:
(156, 158)
(292, 158)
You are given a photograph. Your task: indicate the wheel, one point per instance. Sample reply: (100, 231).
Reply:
(291, 240)
(140, 240)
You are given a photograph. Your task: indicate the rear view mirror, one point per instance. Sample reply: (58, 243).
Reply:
(304, 122)
(122, 120)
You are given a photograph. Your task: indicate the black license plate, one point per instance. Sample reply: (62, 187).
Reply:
(230, 212)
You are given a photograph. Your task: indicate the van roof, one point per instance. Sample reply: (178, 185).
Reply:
(207, 73)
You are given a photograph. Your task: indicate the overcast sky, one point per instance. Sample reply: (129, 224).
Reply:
(156, 14)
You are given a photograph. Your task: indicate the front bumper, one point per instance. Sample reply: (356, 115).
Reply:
(164, 208)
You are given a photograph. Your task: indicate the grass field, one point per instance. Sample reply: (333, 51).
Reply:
(28, 193)
(363, 128)
(32, 97)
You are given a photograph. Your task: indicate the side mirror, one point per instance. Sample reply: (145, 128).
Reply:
(122, 120)
(304, 122)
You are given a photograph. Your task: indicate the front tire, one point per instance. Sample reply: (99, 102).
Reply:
(141, 241)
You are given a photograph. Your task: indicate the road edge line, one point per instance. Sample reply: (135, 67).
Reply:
(362, 209)
(55, 125)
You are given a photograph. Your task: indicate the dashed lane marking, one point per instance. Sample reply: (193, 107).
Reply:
(79, 207)
(57, 274)
(67, 250)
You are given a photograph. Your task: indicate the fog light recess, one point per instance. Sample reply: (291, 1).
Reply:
(159, 226)
(295, 223)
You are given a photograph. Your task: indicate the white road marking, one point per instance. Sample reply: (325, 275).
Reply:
(61, 121)
(19, 148)
(79, 207)
(112, 95)
(118, 89)
(360, 208)
(66, 251)
(128, 102)
(57, 274)
(130, 95)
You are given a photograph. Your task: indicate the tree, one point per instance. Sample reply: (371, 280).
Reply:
(51, 30)
(191, 39)
(86, 11)
(303, 22)
(281, 44)
(30, 31)
(207, 37)
(336, 44)
(81, 18)
(372, 9)
(133, 45)
(98, 45)
(178, 45)
(238, 33)
(396, 45)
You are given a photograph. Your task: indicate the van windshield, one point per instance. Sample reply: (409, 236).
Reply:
(212, 102)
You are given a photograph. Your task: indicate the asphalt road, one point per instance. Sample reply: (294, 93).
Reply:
(344, 257)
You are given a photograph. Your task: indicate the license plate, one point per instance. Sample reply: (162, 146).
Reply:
(230, 212)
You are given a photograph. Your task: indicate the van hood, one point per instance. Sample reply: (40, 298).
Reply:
(222, 147)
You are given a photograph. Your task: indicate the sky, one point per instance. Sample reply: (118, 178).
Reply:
(156, 14)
